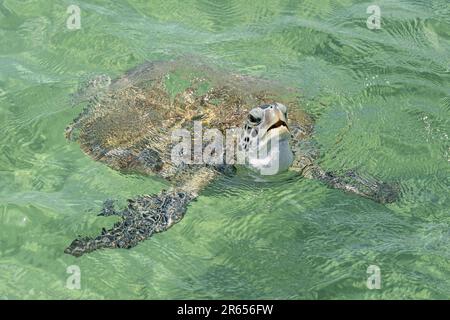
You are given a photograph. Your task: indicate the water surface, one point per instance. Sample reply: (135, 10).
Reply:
(381, 100)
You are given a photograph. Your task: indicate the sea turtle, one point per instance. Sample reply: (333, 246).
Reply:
(129, 124)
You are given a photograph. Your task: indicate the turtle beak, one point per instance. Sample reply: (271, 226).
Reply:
(277, 120)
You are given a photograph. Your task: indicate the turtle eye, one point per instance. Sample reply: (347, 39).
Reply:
(253, 119)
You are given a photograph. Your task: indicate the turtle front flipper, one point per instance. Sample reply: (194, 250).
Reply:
(368, 187)
(145, 215)
(350, 181)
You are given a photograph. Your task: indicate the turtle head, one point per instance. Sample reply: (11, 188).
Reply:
(265, 139)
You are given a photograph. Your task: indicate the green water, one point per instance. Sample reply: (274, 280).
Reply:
(382, 103)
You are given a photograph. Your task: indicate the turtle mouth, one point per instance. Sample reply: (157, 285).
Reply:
(278, 124)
